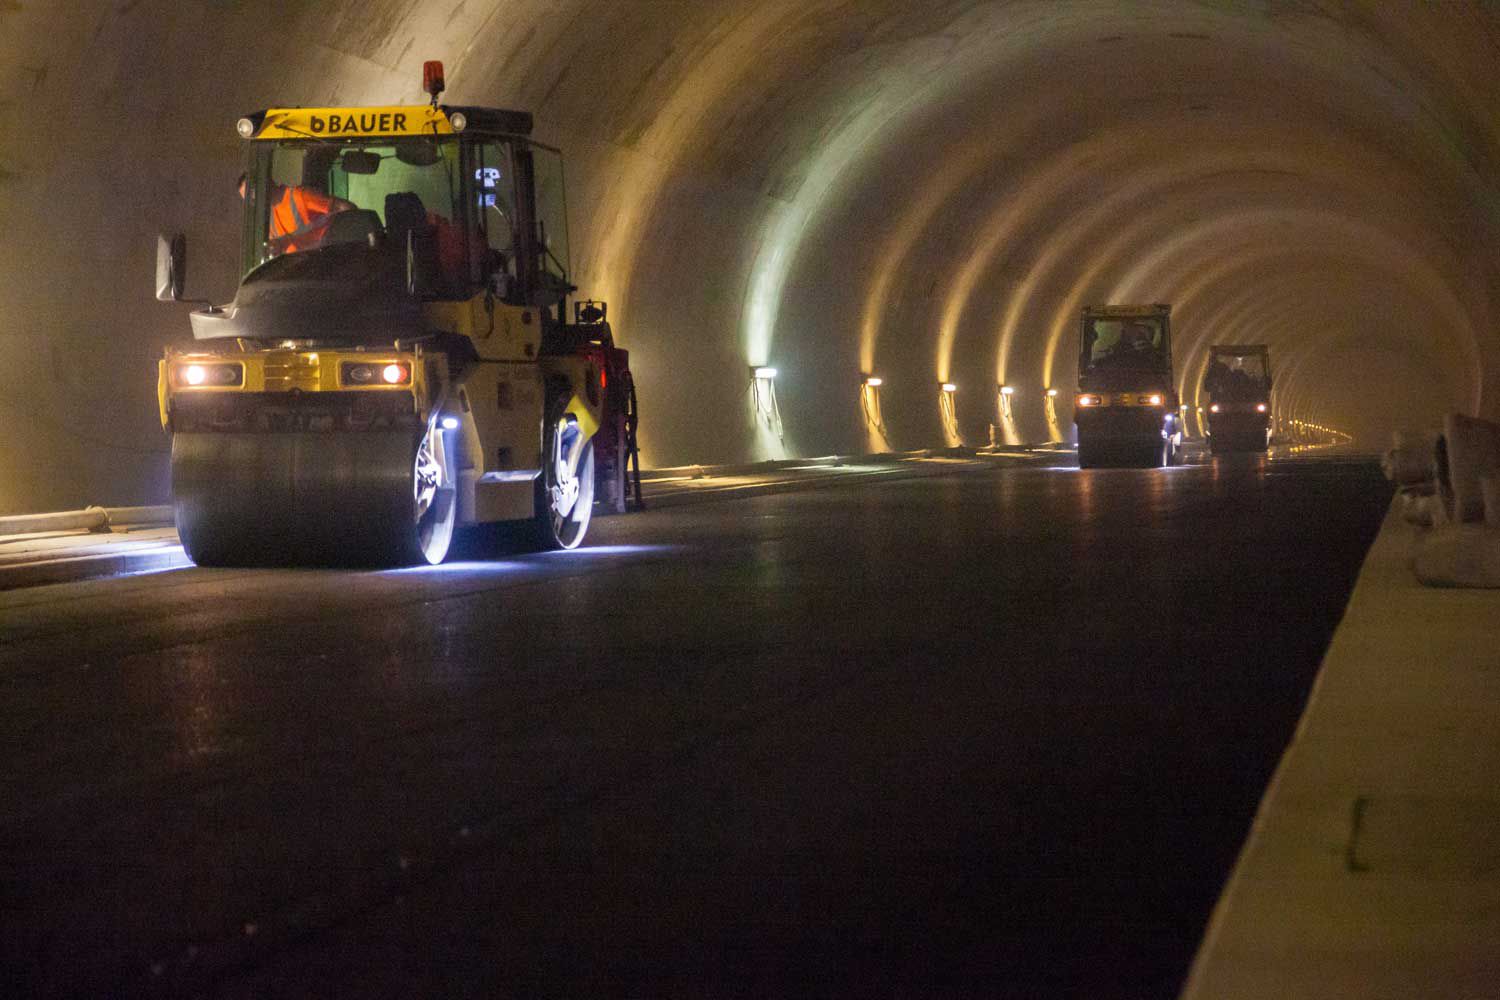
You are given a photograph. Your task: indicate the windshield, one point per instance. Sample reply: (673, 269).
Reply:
(394, 193)
(1233, 376)
(1133, 342)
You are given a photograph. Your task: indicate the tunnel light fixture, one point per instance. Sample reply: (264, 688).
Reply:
(1090, 399)
(763, 372)
(949, 387)
(1152, 400)
(1051, 393)
(1007, 390)
(873, 381)
(1214, 408)
(1260, 407)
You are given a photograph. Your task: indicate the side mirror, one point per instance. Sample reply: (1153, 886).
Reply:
(171, 267)
(357, 161)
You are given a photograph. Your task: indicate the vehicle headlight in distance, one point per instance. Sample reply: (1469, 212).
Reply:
(210, 375)
(1213, 408)
(1089, 399)
(1261, 408)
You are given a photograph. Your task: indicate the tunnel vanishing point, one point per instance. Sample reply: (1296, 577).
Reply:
(924, 192)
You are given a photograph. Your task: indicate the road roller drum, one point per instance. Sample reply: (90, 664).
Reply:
(296, 497)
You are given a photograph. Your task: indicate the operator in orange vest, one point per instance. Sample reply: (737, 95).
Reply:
(300, 213)
(300, 216)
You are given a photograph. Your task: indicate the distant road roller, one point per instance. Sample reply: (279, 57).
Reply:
(399, 360)
(1238, 383)
(1126, 409)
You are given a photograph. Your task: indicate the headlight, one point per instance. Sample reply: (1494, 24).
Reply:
(1089, 399)
(370, 373)
(210, 375)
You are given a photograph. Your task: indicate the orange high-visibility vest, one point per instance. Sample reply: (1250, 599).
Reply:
(300, 209)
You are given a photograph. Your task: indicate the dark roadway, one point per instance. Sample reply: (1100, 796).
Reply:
(993, 734)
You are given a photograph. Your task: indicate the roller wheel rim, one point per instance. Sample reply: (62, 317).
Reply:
(566, 498)
(433, 500)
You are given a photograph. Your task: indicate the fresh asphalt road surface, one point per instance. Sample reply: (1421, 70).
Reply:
(990, 734)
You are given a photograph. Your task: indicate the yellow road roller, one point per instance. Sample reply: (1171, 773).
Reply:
(399, 360)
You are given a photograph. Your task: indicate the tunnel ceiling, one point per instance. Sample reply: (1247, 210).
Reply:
(929, 192)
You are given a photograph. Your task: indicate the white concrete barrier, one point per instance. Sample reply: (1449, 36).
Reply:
(1410, 460)
(1458, 555)
(1473, 453)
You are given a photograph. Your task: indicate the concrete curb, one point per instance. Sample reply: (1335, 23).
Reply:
(1369, 868)
(89, 567)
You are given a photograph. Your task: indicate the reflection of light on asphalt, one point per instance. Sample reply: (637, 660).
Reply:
(610, 550)
(477, 568)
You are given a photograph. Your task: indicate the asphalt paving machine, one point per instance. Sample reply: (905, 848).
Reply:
(1126, 408)
(1238, 383)
(399, 360)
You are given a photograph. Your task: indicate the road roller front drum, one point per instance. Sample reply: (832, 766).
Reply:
(335, 498)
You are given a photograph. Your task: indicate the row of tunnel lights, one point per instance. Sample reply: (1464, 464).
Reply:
(948, 389)
(875, 382)
(1084, 399)
(765, 374)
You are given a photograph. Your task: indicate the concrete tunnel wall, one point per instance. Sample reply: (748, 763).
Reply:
(927, 191)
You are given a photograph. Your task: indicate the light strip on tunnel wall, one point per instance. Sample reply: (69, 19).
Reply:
(948, 411)
(869, 406)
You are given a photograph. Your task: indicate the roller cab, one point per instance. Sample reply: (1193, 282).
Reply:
(1126, 409)
(398, 360)
(1238, 385)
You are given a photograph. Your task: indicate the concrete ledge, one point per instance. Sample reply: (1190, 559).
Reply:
(88, 567)
(1373, 866)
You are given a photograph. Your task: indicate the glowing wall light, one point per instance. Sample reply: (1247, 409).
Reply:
(869, 405)
(948, 409)
(763, 396)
